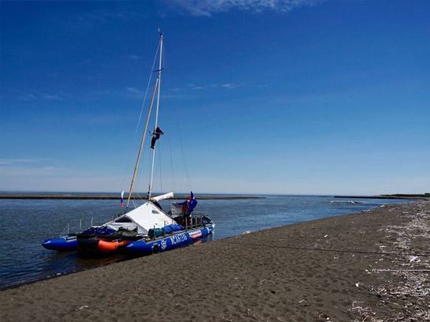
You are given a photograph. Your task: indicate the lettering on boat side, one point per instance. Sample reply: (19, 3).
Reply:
(178, 238)
(163, 244)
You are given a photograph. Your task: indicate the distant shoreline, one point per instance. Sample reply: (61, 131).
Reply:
(425, 196)
(80, 196)
(112, 196)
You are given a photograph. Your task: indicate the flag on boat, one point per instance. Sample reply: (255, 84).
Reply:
(186, 207)
(122, 199)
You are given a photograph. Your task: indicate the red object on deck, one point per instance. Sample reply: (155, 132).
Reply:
(106, 246)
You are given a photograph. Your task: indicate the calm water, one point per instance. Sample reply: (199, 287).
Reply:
(25, 224)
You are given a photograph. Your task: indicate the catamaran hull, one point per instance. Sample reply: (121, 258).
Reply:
(61, 244)
(179, 239)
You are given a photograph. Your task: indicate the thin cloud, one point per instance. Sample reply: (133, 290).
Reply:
(209, 7)
(135, 90)
(25, 171)
(134, 57)
(102, 119)
(100, 18)
(48, 97)
(39, 97)
(208, 86)
(106, 16)
(17, 161)
(191, 91)
(231, 86)
(24, 167)
(27, 97)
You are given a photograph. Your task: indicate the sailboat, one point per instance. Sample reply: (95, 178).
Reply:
(145, 229)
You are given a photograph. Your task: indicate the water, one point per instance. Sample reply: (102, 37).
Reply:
(25, 224)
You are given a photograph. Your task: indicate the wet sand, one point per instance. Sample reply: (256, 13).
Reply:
(373, 266)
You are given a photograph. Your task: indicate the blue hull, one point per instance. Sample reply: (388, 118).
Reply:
(179, 239)
(61, 244)
(139, 247)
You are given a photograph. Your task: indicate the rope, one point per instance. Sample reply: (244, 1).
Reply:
(170, 72)
(183, 154)
(124, 176)
(140, 178)
(159, 166)
(147, 88)
(171, 166)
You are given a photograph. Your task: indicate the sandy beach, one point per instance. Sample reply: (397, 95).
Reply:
(373, 266)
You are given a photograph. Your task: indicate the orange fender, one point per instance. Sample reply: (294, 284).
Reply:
(110, 246)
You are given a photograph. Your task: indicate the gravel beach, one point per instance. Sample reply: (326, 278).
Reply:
(372, 266)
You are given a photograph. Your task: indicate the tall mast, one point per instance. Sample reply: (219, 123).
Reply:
(157, 110)
(142, 143)
(145, 130)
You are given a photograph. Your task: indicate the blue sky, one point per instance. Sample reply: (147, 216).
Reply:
(289, 97)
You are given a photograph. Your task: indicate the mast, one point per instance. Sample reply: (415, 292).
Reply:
(157, 109)
(145, 130)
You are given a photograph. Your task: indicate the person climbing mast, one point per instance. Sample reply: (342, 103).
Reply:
(155, 136)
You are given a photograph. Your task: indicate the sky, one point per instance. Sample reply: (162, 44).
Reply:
(274, 97)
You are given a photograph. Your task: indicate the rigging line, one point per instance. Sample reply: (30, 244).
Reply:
(164, 64)
(142, 178)
(187, 174)
(140, 114)
(171, 165)
(137, 195)
(159, 166)
(160, 61)
(142, 142)
(147, 88)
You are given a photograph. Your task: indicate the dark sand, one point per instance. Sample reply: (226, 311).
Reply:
(373, 266)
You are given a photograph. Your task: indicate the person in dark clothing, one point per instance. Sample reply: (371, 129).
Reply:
(188, 206)
(155, 136)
